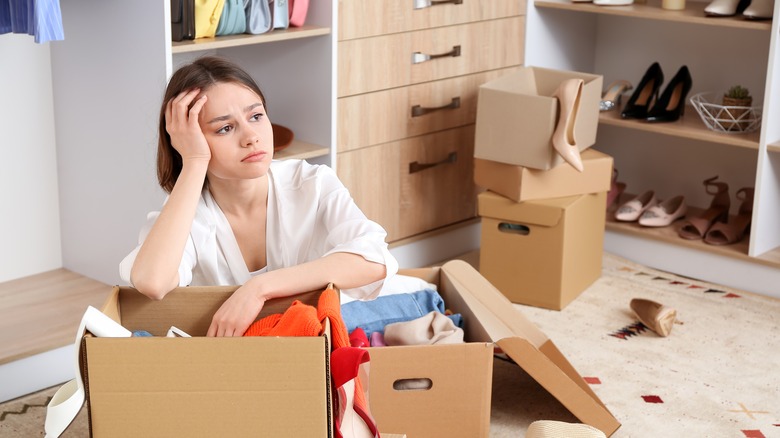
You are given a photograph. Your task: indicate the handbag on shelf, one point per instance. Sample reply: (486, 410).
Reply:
(233, 19)
(258, 16)
(298, 9)
(207, 14)
(281, 12)
(182, 20)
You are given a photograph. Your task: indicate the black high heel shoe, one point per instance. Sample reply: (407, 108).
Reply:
(639, 103)
(671, 105)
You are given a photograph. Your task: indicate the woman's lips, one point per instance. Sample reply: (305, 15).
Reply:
(254, 156)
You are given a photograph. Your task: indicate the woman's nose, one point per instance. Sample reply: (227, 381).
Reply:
(250, 140)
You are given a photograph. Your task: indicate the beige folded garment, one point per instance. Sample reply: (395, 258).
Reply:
(433, 328)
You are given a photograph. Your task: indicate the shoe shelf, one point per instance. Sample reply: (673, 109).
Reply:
(669, 235)
(302, 151)
(693, 13)
(689, 126)
(222, 42)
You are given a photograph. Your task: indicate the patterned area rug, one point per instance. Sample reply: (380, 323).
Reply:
(716, 375)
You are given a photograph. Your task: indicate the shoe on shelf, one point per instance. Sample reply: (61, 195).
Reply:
(644, 94)
(569, 94)
(613, 2)
(665, 213)
(671, 105)
(654, 316)
(631, 210)
(697, 227)
(611, 98)
(726, 8)
(732, 231)
(759, 10)
(616, 189)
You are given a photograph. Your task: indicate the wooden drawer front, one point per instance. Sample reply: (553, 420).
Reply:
(365, 18)
(390, 115)
(378, 63)
(415, 185)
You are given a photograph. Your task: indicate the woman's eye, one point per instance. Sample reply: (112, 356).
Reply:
(256, 117)
(225, 129)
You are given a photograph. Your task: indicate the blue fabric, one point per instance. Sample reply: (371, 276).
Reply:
(373, 316)
(142, 334)
(41, 18)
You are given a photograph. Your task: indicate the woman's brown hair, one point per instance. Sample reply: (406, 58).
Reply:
(201, 73)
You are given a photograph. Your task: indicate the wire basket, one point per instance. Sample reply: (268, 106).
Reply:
(728, 119)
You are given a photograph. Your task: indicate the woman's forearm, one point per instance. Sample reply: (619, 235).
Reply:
(155, 271)
(344, 270)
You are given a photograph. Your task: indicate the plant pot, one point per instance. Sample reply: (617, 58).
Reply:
(737, 107)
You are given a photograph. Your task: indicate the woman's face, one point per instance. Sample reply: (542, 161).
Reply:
(239, 133)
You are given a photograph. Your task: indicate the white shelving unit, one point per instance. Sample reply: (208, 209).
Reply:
(674, 158)
(109, 76)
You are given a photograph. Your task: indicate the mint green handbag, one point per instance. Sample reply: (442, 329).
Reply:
(233, 19)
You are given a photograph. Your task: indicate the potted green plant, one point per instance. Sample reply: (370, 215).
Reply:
(738, 99)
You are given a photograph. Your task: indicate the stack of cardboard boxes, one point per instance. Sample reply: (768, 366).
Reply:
(542, 220)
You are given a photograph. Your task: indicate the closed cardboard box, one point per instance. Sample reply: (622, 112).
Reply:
(517, 115)
(542, 253)
(520, 183)
(456, 400)
(201, 386)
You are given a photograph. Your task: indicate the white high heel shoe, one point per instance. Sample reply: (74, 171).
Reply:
(569, 95)
(726, 8)
(759, 10)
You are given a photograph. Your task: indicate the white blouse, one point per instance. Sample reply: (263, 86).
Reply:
(310, 215)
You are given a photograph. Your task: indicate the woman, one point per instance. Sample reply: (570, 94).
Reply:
(234, 217)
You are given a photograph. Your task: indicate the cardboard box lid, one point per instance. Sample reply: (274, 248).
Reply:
(544, 212)
(535, 81)
(528, 346)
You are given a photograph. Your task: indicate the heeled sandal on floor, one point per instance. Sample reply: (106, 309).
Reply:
(654, 316)
(569, 94)
(697, 227)
(732, 231)
(616, 189)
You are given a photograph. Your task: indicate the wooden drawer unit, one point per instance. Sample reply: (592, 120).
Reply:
(397, 60)
(389, 115)
(414, 185)
(365, 18)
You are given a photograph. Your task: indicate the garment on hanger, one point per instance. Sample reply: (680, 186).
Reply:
(40, 18)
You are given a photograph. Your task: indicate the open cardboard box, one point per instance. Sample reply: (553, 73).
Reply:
(201, 386)
(458, 400)
(517, 115)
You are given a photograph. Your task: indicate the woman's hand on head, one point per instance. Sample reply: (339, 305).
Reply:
(236, 314)
(181, 122)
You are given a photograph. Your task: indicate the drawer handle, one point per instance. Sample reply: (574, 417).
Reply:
(418, 110)
(418, 57)
(422, 4)
(415, 167)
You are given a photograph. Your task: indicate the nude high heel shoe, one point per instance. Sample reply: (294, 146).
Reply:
(569, 95)
(654, 316)
(726, 8)
(759, 10)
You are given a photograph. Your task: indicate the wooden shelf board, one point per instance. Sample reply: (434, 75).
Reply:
(247, 39)
(773, 147)
(43, 311)
(693, 13)
(301, 150)
(689, 126)
(670, 235)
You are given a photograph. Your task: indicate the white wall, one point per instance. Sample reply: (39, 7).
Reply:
(29, 216)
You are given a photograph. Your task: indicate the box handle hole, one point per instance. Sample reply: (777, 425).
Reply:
(506, 227)
(419, 384)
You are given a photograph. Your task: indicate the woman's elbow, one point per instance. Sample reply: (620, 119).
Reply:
(155, 290)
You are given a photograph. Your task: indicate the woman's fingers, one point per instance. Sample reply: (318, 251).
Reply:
(195, 110)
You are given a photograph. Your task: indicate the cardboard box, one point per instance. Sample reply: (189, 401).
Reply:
(201, 386)
(542, 253)
(524, 184)
(517, 115)
(457, 403)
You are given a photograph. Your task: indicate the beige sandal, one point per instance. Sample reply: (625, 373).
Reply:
(697, 227)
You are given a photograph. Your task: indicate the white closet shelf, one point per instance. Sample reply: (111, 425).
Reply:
(773, 147)
(693, 13)
(222, 42)
(669, 235)
(689, 126)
